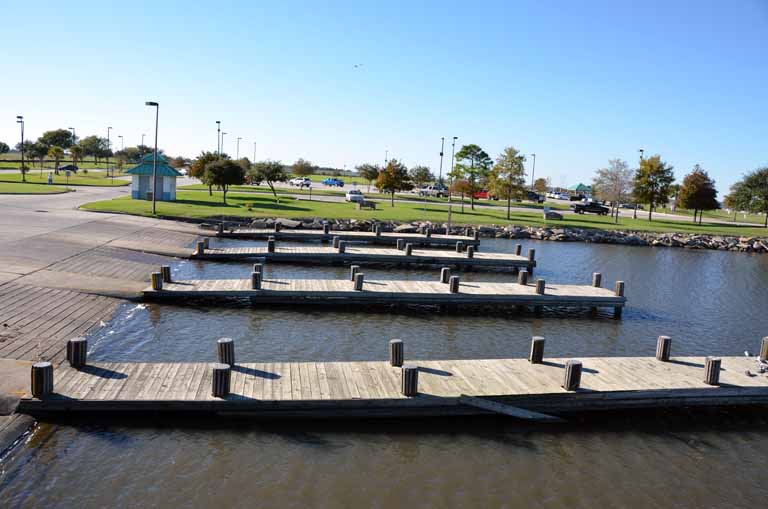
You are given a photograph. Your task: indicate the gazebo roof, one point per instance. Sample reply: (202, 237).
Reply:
(580, 187)
(145, 167)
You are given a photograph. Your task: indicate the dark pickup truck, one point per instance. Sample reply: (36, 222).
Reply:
(592, 208)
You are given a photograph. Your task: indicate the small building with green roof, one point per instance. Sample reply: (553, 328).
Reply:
(141, 183)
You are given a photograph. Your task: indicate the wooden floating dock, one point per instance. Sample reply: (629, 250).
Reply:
(370, 256)
(335, 291)
(385, 238)
(375, 389)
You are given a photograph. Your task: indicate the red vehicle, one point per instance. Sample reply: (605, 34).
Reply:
(484, 195)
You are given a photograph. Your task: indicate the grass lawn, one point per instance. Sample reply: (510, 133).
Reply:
(722, 215)
(195, 204)
(79, 179)
(20, 188)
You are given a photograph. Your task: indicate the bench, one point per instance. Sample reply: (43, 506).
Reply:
(366, 205)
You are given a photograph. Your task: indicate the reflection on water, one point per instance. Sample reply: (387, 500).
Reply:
(709, 302)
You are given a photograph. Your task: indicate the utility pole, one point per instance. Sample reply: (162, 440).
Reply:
(254, 151)
(154, 158)
(109, 145)
(386, 154)
(442, 146)
(533, 173)
(453, 150)
(20, 120)
(218, 137)
(642, 151)
(237, 156)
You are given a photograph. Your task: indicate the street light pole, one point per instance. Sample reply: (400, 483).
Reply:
(122, 144)
(20, 120)
(109, 145)
(142, 139)
(218, 137)
(221, 150)
(74, 138)
(238, 148)
(642, 151)
(254, 151)
(386, 156)
(450, 207)
(533, 173)
(154, 157)
(442, 147)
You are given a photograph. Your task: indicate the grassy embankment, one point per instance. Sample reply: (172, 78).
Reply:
(19, 188)
(79, 179)
(195, 204)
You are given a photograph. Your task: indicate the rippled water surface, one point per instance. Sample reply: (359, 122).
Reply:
(709, 302)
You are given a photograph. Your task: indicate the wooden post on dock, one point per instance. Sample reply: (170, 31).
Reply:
(597, 279)
(226, 351)
(476, 234)
(466, 231)
(445, 274)
(200, 248)
(428, 232)
(157, 281)
(359, 280)
(537, 350)
(165, 270)
(470, 251)
(42, 379)
(256, 280)
(408, 249)
(541, 285)
(336, 240)
(77, 352)
(342, 246)
(400, 244)
(764, 349)
(206, 242)
(396, 352)
(220, 228)
(410, 381)
(378, 230)
(326, 228)
(222, 374)
(518, 249)
(572, 377)
(258, 267)
(531, 259)
(712, 371)
(353, 269)
(522, 277)
(619, 290)
(459, 246)
(271, 244)
(453, 283)
(277, 227)
(663, 348)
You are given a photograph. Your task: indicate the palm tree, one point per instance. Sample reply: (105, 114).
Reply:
(57, 154)
(77, 152)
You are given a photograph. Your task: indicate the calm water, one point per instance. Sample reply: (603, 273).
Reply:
(709, 302)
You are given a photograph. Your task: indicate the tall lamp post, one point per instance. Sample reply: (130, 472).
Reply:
(121, 142)
(142, 139)
(74, 138)
(154, 157)
(533, 173)
(221, 150)
(109, 145)
(237, 153)
(218, 137)
(254, 151)
(450, 207)
(20, 120)
(634, 214)
(442, 147)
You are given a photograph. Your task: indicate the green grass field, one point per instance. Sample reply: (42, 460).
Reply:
(79, 179)
(20, 188)
(195, 204)
(722, 215)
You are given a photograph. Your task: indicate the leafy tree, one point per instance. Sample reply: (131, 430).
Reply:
(473, 164)
(697, 193)
(540, 185)
(394, 178)
(302, 168)
(38, 151)
(95, 147)
(752, 192)
(369, 172)
(197, 168)
(421, 176)
(507, 178)
(4, 148)
(269, 172)
(76, 151)
(177, 162)
(224, 173)
(245, 163)
(57, 154)
(613, 184)
(120, 159)
(461, 187)
(58, 138)
(652, 181)
(144, 150)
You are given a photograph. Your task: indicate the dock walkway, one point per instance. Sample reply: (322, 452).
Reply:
(386, 238)
(373, 389)
(370, 256)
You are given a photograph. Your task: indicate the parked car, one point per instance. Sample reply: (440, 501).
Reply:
(333, 182)
(535, 197)
(355, 196)
(68, 167)
(592, 208)
(300, 182)
(438, 191)
(577, 197)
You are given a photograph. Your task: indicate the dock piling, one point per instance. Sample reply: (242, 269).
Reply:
(522, 277)
(255, 280)
(410, 381)
(428, 232)
(541, 285)
(359, 280)
(712, 371)
(222, 374)
(663, 348)
(165, 270)
(326, 228)
(453, 283)
(200, 248)
(572, 377)
(445, 274)
(597, 279)
(258, 267)
(400, 244)
(619, 291)
(396, 352)
(353, 269)
(519, 249)
(537, 350)
(459, 246)
(157, 281)
(342, 246)
(277, 227)
(226, 350)
(476, 235)
(764, 349)
(220, 228)
(408, 249)
(77, 352)
(336, 240)
(271, 245)
(378, 230)
(470, 251)
(42, 379)
(207, 242)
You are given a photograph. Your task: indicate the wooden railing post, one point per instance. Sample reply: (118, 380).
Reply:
(271, 245)
(712, 371)
(226, 351)
(459, 246)
(42, 379)
(200, 248)
(408, 249)
(165, 270)
(519, 249)
(663, 348)
(326, 228)
(359, 281)
(572, 376)
(470, 251)
(410, 380)
(597, 279)
(619, 291)
(256, 281)
(522, 277)
(353, 269)
(541, 285)
(537, 350)
(342, 246)
(396, 352)
(445, 274)
(221, 380)
(453, 283)
(77, 352)
(400, 244)
(157, 281)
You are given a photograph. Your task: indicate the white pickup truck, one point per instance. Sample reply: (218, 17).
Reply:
(300, 182)
(437, 191)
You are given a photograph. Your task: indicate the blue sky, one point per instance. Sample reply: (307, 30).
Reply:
(577, 83)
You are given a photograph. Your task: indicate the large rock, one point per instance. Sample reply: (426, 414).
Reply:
(553, 215)
(406, 228)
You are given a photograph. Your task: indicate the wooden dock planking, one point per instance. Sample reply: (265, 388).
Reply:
(319, 291)
(372, 388)
(385, 238)
(368, 255)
